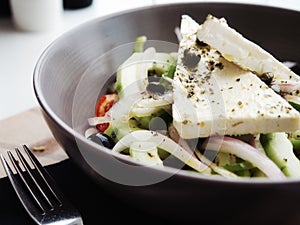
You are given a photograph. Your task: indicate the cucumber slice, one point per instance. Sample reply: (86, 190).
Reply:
(279, 149)
(132, 75)
(145, 152)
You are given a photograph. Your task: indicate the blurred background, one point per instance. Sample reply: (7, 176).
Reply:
(27, 27)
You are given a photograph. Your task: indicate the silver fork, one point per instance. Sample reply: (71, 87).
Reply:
(38, 192)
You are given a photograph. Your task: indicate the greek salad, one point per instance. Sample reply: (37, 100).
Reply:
(155, 110)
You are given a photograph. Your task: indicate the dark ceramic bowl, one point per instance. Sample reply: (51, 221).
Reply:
(74, 68)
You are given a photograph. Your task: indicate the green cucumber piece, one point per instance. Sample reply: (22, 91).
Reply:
(279, 149)
(145, 152)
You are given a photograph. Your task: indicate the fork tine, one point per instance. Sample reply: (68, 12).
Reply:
(27, 168)
(44, 174)
(19, 188)
(36, 189)
(20, 173)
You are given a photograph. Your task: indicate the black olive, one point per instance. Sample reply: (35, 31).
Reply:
(157, 124)
(267, 77)
(153, 79)
(190, 60)
(157, 89)
(201, 43)
(154, 73)
(102, 139)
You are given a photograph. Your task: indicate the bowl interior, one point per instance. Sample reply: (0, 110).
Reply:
(74, 69)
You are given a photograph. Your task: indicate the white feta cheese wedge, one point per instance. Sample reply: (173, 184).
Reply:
(236, 48)
(214, 96)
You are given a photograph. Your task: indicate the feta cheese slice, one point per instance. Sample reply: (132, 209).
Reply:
(214, 96)
(236, 48)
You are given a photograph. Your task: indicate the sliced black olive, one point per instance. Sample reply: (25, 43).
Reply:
(156, 89)
(102, 139)
(155, 72)
(267, 77)
(153, 79)
(157, 124)
(201, 43)
(190, 59)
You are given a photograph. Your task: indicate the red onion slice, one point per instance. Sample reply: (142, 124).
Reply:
(246, 152)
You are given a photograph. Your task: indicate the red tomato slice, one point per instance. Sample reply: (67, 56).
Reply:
(104, 103)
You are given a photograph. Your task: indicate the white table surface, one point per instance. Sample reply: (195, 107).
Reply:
(19, 50)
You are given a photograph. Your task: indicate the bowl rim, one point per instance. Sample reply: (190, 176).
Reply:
(186, 174)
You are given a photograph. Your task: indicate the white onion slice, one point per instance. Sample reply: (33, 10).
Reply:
(286, 86)
(148, 111)
(213, 166)
(90, 131)
(175, 136)
(246, 152)
(163, 142)
(289, 64)
(143, 111)
(98, 120)
(292, 98)
(178, 34)
(206, 161)
(159, 100)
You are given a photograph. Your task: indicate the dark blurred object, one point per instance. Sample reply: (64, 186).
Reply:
(4, 8)
(296, 68)
(76, 4)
